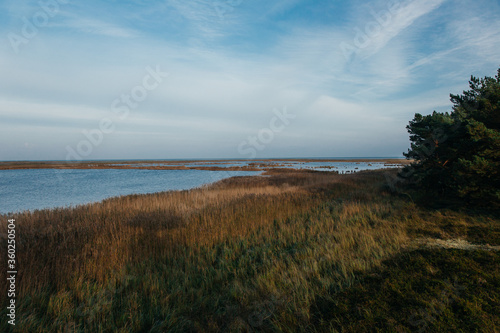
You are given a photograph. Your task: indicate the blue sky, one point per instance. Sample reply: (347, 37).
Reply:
(347, 75)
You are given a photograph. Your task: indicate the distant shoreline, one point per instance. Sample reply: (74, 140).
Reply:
(253, 165)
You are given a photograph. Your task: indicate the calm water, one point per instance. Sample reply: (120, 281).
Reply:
(46, 188)
(340, 167)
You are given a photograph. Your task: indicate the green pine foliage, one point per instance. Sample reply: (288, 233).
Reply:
(456, 156)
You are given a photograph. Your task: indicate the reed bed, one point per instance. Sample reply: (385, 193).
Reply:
(244, 254)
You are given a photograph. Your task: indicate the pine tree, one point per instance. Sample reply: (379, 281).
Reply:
(456, 156)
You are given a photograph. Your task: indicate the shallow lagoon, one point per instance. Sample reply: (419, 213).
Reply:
(32, 189)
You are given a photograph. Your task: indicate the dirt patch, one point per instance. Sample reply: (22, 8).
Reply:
(458, 243)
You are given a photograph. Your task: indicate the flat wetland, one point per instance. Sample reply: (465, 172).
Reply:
(287, 251)
(213, 165)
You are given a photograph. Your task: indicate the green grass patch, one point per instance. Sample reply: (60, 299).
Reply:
(418, 291)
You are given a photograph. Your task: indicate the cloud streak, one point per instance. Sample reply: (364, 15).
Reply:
(399, 18)
(228, 73)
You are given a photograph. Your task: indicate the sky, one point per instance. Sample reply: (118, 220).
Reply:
(84, 80)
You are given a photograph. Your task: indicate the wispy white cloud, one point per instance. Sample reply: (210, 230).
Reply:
(280, 7)
(102, 28)
(96, 27)
(228, 73)
(396, 20)
(206, 18)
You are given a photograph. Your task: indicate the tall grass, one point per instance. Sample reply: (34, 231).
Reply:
(244, 254)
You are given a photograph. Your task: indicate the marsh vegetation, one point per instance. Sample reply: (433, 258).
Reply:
(289, 251)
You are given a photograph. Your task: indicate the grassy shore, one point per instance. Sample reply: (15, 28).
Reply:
(213, 165)
(291, 251)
